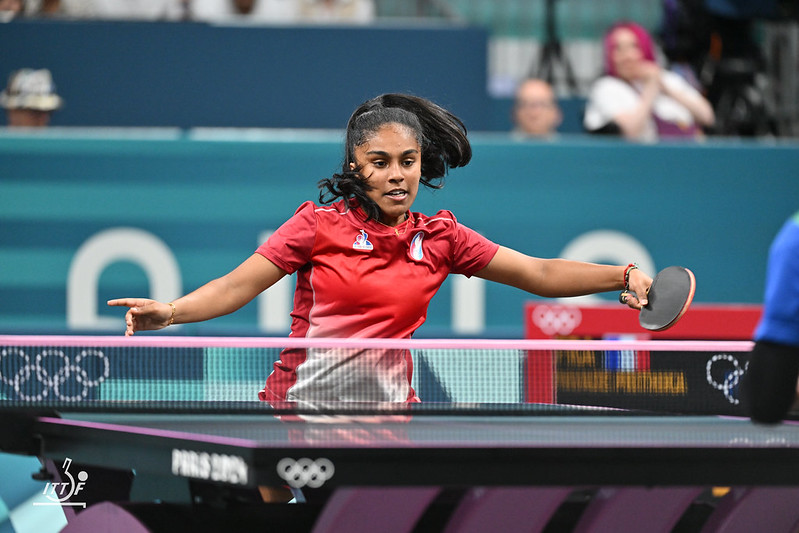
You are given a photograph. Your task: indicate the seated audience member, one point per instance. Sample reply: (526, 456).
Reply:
(122, 9)
(282, 11)
(251, 11)
(34, 8)
(336, 11)
(535, 111)
(10, 9)
(30, 98)
(639, 100)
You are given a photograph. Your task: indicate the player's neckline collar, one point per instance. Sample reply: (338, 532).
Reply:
(399, 229)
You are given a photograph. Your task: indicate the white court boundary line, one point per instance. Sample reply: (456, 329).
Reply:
(169, 341)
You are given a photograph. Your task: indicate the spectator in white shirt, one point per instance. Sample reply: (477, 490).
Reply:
(637, 99)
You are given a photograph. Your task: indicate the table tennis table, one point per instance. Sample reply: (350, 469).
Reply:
(385, 469)
(163, 434)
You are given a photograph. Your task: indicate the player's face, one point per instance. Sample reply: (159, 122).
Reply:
(391, 161)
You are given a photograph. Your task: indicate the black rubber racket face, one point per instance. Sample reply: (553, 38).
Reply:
(669, 297)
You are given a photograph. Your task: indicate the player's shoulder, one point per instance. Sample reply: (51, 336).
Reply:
(310, 208)
(442, 218)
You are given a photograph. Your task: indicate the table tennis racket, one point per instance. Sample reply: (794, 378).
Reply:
(669, 297)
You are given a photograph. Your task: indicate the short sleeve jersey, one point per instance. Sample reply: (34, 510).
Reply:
(360, 278)
(780, 320)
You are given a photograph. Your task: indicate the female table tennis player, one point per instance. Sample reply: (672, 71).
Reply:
(368, 266)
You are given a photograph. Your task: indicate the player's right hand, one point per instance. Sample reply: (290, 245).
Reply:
(143, 314)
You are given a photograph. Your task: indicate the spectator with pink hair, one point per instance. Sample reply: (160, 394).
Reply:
(637, 99)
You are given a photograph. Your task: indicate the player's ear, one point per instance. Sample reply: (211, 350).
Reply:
(352, 166)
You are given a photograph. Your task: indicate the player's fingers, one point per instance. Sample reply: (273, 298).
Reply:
(642, 301)
(639, 284)
(629, 298)
(129, 318)
(126, 302)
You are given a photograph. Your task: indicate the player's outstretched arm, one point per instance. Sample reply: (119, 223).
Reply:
(556, 278)
(216, 298)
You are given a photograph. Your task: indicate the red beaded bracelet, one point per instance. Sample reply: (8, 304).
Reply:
(631, 266)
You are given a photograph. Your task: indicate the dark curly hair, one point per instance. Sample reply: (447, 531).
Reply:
(441, 136)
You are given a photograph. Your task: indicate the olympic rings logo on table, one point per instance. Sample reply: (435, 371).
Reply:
(556, 319)
(732, 373)
(52, 369)
(305, 472)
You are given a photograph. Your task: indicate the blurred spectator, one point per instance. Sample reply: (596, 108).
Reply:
(33, 8)
(535, 110)
(282, 11)
(351, 11)
(241, 10)
(48, 7)
(30, 98)
(10, 9)
(637, 99)
(116, 9)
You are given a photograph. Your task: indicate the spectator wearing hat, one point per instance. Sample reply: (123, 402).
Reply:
(30, 98)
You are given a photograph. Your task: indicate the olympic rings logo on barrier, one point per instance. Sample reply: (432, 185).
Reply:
(556, 319)
(305, 472)
(771, 442)
(731, 375)
(52, 370)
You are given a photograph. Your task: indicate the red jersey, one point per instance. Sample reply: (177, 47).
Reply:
(359, 278)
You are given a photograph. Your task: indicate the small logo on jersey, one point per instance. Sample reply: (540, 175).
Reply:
(417, 254)
(362, 242)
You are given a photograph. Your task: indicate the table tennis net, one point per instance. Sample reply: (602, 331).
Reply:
(683, 377)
